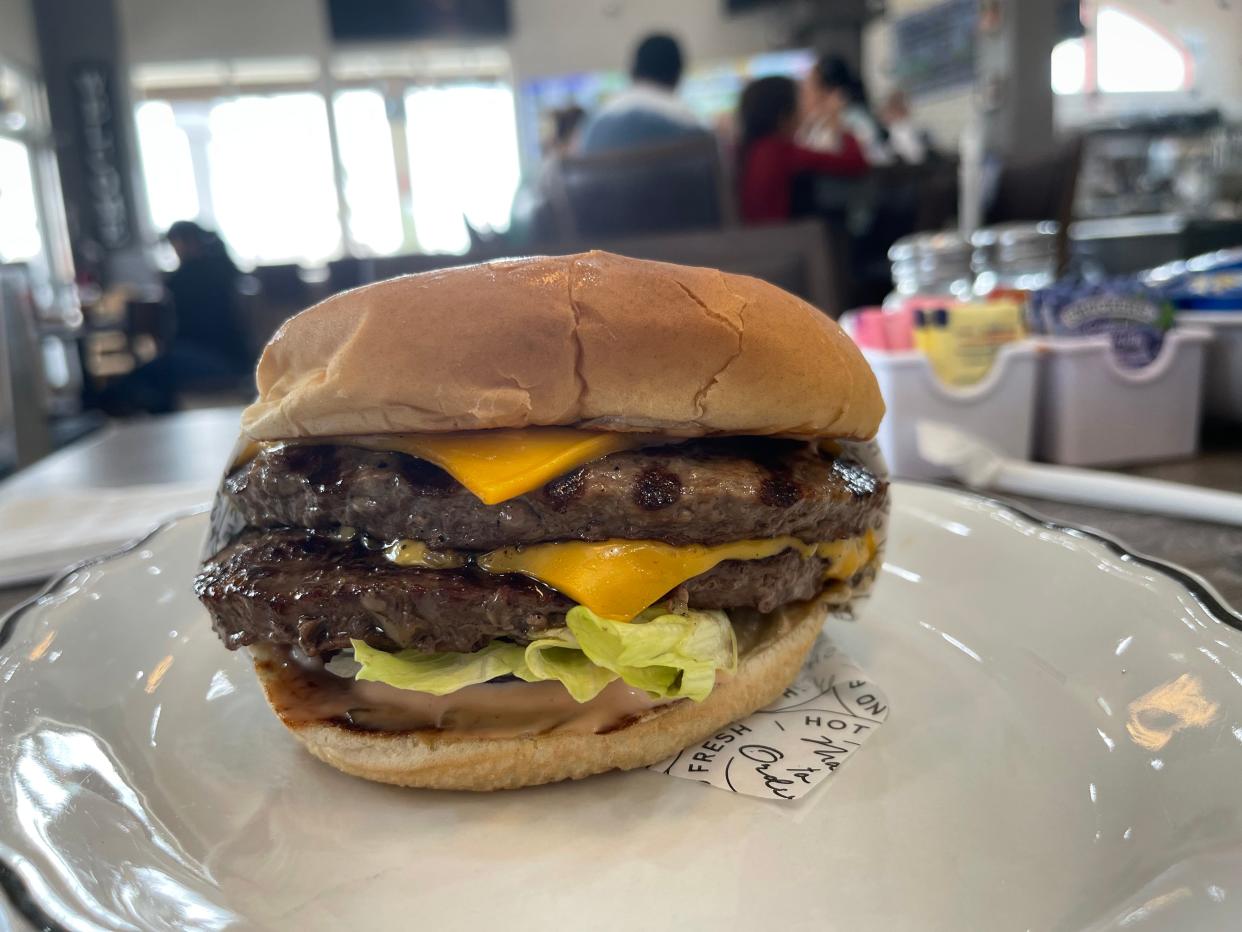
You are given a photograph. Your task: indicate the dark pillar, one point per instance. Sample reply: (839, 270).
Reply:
(1014, 70)
(92, 124)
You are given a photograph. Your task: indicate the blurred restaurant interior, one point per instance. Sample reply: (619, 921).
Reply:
(177, 178)
(1027, 214)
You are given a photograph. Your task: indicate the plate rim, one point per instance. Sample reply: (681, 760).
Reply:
(1201, 589)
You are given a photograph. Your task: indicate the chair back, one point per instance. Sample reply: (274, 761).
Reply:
(674, 186)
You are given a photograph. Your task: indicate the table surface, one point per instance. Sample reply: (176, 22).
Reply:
(192, 447)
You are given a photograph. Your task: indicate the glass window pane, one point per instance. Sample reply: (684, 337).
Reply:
(1069, 67)
(166, 165)
(364, 137)
(271, 178)
(1133, 56)
(20, 238)
(463, 161)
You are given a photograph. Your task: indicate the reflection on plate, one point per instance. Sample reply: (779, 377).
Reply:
(1063, 753)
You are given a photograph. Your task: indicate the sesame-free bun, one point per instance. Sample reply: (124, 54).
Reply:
(591, 340)
(454, 761)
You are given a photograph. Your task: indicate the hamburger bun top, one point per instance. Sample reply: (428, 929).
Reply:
(592, 340)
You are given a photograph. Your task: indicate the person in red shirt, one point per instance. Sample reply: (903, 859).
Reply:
(770, 159)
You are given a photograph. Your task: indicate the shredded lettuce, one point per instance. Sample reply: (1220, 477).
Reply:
(669, 655)
(558, 656)
(438, 673)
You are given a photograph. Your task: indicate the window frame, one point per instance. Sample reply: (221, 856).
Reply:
(52, 275)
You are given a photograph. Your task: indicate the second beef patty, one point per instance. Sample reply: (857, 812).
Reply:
(306, 590)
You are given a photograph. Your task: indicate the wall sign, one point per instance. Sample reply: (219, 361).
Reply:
(935, 48)
(102, 159)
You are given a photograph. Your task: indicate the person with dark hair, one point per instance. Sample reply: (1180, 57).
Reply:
(835, 100)
(566, 126)
(203, 289)
(658, 60)
(208, 349)
(768, 157)
(649, 111)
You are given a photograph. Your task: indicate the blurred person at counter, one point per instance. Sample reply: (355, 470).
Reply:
(834, 102)
(649, 111)
(208, 349)
(769, 157)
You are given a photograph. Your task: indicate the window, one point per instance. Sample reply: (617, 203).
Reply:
(372, 195)
(1069, 67)
(272, 187)
(257, 168)
(167, 165)
(32, 223)
(425, 143)
(1133, 56)
(463, 162)
(21, 239)
(1121, 53)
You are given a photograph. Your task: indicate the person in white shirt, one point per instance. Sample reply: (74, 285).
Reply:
(649, 111)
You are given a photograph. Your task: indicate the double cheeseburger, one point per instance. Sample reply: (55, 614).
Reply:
(538, 519)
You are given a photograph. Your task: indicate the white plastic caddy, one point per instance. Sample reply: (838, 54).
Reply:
(998, 409)
(1222, 383)
(1093, 412)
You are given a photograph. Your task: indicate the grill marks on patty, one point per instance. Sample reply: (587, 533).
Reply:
(287, 580)
(703, 491)
(301, 588)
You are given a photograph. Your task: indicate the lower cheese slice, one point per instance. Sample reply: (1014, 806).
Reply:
(617, 579)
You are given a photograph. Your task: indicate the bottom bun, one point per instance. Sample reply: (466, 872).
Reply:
(447, 761)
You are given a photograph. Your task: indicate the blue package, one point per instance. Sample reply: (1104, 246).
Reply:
(1206, 291)
(1222, 260)
(1135, 316)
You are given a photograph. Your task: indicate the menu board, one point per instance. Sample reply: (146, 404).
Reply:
(934, 48)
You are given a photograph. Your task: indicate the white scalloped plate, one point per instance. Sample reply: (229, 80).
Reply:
(1064, 751)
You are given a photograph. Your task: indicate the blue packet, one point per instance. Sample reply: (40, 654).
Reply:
(1206, 291)
(1222, 260)
(1134, 316)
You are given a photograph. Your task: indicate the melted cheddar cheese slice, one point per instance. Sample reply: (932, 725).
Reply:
(619, 578)
(497, 465)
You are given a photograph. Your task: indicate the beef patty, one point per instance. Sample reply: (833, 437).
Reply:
(294, 587)
(701, 491)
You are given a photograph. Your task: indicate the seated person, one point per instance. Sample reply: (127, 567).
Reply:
(649, 111)
(208, 350)
(770, 159)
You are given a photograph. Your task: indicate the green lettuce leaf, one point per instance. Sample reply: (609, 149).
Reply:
(669, 655)
(558, 657)
(439, 673)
